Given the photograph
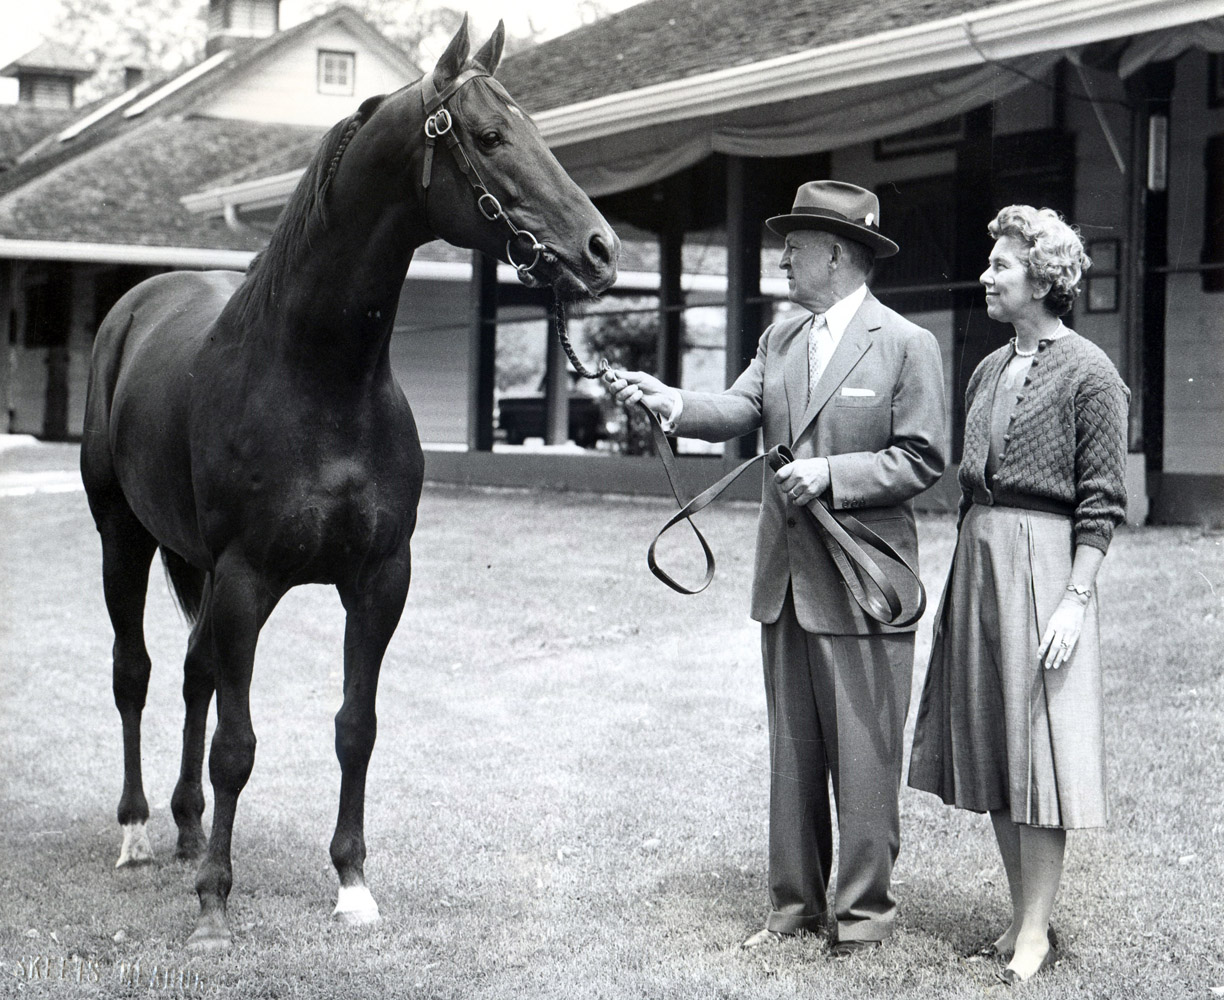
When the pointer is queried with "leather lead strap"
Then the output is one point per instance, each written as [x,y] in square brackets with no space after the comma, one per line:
[841,534]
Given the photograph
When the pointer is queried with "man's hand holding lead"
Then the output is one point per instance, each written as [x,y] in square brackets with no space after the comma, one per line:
[633,387]
[803,480]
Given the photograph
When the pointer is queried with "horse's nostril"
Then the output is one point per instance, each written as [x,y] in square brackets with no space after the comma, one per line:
[599,249]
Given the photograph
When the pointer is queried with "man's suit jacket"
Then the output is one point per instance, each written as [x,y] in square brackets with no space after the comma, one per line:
[877,414]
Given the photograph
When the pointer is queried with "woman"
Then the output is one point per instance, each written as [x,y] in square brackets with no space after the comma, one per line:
[1011,719]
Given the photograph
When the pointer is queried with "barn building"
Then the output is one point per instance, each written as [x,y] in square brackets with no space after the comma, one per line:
[691,123]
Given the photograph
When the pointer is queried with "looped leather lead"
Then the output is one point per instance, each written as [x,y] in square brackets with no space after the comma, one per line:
[844,537]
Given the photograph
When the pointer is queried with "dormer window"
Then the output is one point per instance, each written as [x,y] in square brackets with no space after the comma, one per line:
[336,72]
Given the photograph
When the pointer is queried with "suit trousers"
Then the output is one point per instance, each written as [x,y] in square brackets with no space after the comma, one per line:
[837,707]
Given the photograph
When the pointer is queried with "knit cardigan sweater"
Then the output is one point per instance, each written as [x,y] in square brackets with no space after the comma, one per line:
[1066,442]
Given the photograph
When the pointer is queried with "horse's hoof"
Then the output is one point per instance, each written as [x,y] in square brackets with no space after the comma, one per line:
[355,906]
[136,849]
[210,935]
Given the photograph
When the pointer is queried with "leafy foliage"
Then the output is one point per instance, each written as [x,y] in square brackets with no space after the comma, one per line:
[155,35]
[627,340]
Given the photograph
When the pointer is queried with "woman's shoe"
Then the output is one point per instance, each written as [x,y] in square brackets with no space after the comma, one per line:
[1011,977]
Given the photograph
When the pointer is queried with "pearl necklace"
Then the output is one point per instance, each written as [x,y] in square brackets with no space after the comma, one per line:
[1058,332]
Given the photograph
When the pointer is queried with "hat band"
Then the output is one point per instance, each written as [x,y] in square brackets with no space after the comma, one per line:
[827,213]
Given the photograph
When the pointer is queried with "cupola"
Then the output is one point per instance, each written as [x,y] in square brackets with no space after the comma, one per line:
[47,76]
[234,23]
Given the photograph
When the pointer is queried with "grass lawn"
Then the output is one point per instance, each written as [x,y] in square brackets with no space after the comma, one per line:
[568,795]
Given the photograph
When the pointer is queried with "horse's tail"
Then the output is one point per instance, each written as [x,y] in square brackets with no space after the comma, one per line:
[186,582]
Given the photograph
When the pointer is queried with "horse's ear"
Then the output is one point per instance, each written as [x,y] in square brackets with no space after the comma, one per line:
[451,63]
[491,52]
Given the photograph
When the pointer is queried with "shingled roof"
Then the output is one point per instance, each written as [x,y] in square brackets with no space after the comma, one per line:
[50,57]
[200,86]
[663,40]
[119,176]
[128,190]
[22,125]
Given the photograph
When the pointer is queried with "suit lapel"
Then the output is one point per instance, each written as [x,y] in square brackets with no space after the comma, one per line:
[795,367]
[852,346]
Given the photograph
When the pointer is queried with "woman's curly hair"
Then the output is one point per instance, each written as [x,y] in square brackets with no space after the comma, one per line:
[1055,253]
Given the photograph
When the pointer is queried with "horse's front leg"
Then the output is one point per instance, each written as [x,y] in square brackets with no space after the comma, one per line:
[373,611]
[239,604]
[187,803]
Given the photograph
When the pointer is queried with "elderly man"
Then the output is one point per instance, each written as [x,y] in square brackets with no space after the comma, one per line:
[857,393]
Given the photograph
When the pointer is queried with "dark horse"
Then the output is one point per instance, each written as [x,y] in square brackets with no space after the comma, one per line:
[249,426]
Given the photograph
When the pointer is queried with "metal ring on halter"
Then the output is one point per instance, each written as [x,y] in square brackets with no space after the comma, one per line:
[536,247]
[438,124]
[498,213]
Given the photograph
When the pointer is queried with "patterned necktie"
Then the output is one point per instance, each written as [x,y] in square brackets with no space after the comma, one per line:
[819,339]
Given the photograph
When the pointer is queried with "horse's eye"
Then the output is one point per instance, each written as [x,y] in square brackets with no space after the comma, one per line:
[490,138]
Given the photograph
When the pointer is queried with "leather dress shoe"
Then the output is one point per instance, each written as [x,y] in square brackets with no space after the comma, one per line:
[850,948]
[762,938]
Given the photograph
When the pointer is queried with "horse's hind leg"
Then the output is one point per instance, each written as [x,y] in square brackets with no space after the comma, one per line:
[372,615]
[187,803]
[127,551]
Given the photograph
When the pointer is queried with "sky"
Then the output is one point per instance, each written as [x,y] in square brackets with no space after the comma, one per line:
[25,22]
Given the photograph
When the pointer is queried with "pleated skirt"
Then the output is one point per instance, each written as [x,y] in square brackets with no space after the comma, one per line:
[995,729]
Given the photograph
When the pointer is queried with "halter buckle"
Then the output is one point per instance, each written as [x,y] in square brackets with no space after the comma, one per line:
[489,206]
[438,124]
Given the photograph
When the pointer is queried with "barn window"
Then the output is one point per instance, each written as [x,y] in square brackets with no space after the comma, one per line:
[336,72]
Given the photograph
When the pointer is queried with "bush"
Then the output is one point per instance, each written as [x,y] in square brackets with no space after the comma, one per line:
[628,340]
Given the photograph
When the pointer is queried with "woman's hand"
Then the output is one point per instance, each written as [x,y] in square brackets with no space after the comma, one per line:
[803,480]
[631,387]
[1062,632]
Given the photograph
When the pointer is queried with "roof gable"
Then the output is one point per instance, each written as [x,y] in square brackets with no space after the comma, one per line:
[281,85]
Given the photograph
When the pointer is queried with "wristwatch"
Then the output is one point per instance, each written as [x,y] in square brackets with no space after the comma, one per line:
[1078,591]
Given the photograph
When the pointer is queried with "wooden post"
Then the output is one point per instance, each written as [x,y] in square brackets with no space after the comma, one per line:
[974,209]
[556,385]
[1155,86]
[671,293]
[482,353]
[744,317]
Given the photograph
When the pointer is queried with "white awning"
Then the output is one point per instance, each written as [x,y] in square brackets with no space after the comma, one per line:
[793,128]
[1157,46]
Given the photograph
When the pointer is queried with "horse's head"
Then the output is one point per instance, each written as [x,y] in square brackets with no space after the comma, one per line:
[490,183]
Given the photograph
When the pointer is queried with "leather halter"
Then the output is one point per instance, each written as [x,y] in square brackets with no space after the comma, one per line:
[439,124]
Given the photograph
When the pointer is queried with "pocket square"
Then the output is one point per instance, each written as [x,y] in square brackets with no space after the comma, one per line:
[847,391]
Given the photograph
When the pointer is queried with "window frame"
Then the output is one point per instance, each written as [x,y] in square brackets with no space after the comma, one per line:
[345,89]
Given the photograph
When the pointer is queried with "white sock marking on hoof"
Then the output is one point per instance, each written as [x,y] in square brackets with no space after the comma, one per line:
[136,848]
[355,905]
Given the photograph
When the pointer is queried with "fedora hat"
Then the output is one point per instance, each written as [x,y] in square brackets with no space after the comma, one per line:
[837,207]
